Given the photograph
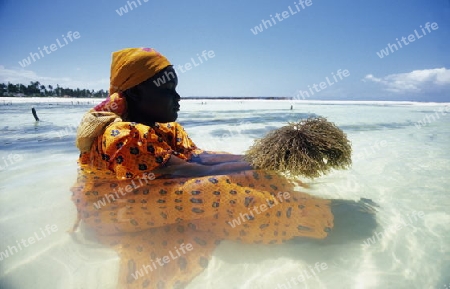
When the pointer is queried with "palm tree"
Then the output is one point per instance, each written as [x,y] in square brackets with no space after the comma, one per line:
[33,88]
[12,88]
[23,89]
[50,89]
[3,89]
[42,89]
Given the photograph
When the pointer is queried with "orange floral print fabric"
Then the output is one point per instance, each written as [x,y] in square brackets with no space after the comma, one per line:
[152,218]
[129,149]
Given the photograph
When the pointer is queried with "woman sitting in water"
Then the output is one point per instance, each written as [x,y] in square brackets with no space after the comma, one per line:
[194,197]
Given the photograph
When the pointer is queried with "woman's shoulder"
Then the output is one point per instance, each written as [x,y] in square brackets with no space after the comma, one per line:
[133,125]
[126,127]
[139,130]
[170,128]
[168,125]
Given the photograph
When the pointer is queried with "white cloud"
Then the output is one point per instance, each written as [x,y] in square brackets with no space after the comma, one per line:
[371,78]
[25,76]
[415,81]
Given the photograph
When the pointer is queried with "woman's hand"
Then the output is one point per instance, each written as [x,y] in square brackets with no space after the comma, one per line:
[180,168]
[208,158]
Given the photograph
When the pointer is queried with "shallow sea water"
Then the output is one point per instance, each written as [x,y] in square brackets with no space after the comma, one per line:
[401,168]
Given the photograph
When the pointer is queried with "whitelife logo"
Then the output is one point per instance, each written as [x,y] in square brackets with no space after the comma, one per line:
[168,76]
[322,85]
[49,49]
[164,260]
[280,198]
[281,16]
[380,235]
[112,197]
[10,160]
[411,38]
[132,5]
[29,241]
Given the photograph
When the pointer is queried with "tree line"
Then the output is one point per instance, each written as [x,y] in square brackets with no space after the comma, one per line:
[35,88]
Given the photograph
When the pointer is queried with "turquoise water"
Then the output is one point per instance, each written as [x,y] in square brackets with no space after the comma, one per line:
[400,165]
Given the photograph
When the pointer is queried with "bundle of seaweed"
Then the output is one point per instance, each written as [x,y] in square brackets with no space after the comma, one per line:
[310,148]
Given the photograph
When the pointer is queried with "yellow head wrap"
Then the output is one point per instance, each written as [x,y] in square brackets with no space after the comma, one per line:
[129,67]
[132,66]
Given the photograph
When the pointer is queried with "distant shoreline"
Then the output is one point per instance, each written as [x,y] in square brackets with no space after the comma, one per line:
[85,101]
[187,97]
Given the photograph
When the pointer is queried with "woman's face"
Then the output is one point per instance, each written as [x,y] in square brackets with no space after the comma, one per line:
[156,99]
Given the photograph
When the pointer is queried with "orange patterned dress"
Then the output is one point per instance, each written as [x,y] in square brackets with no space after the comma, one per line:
[165,229]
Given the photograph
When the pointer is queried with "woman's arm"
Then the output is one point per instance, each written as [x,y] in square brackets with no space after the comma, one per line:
[208,158]
[180,168]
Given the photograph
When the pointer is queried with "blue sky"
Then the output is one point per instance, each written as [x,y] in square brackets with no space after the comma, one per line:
[296,54]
